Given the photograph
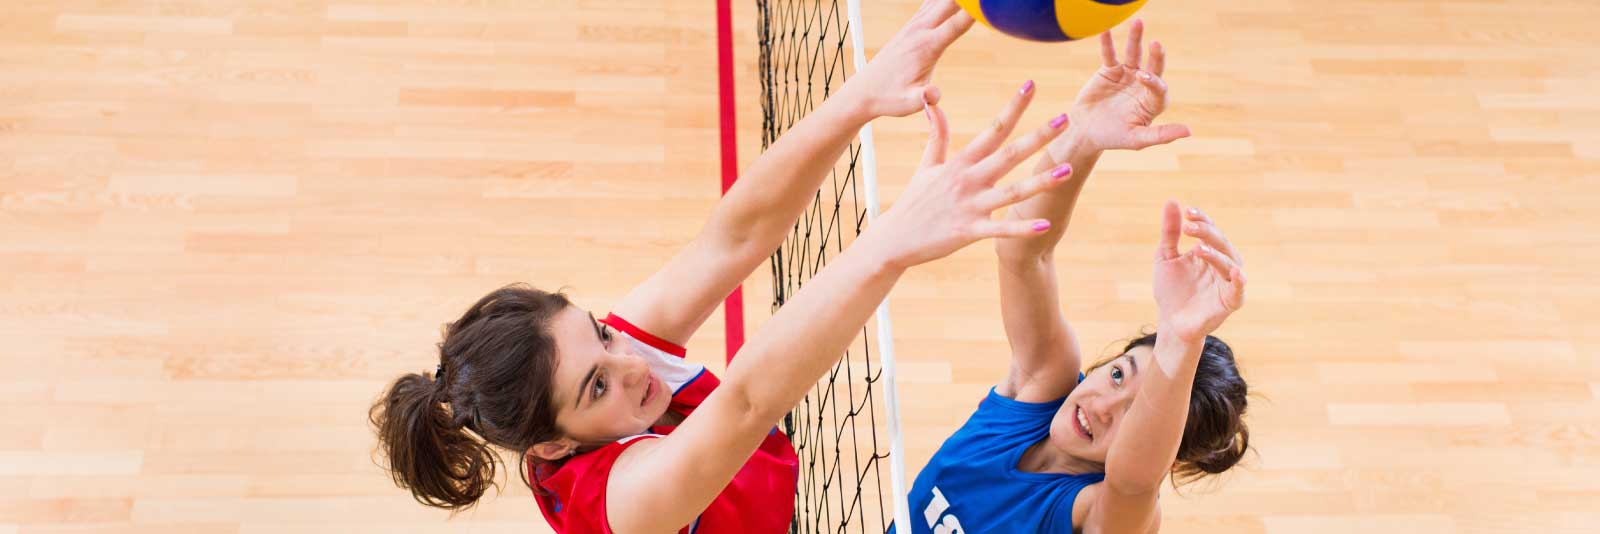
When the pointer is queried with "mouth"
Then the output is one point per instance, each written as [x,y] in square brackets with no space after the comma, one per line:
[649,391]
[1080,423]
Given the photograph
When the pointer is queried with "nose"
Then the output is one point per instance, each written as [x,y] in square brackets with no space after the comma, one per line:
[1100,410]
[638,371]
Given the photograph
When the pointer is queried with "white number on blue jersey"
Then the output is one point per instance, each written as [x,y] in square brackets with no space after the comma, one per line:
[950,525]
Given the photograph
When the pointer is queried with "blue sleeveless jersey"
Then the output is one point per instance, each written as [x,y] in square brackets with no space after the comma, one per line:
[972,484]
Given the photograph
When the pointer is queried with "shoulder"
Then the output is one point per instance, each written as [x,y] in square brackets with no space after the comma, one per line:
[630,462]
[629,476]
[580,488]
[1039,386]
[998,408]
[998,426]
[1084,507]
[599,468]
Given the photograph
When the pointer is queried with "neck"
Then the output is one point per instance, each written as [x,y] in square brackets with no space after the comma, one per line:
[670,418]
[1043,457]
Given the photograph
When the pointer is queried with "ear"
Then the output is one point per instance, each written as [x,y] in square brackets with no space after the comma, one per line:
[553,450]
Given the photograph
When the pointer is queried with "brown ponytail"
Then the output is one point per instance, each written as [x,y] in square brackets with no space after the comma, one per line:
[428,452]
[497,364]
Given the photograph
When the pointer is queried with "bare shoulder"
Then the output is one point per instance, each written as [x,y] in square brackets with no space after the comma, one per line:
[1083,507]
[633,458]
[628,484]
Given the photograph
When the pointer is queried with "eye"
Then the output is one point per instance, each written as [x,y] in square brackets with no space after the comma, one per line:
[1116,376]
[599,387]
[605,335]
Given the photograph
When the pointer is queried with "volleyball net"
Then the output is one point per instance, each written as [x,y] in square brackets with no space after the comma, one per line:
[843,429]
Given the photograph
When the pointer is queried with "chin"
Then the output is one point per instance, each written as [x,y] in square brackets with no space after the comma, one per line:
[654,412]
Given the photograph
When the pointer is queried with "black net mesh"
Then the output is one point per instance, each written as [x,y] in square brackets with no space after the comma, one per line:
[844,483]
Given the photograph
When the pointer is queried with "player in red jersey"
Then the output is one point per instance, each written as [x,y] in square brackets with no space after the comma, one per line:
[618,432]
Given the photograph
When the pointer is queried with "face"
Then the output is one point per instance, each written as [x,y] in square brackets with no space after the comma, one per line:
[1093,413]
[604,390]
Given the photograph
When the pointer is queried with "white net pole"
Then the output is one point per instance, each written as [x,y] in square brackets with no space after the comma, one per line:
[891,396]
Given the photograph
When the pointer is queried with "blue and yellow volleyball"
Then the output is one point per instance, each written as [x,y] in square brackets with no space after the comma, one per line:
[1051,20]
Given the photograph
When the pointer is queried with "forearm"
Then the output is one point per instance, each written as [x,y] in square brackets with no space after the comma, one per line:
[767,378]
[1056,204]
[759,209]
[810,332]
[1044,349]
[1147,444]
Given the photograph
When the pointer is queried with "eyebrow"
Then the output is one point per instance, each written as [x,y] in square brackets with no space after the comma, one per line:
[584,386]
[1132,364]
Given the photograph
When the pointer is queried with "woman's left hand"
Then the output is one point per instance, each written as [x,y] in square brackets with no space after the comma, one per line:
[897,82]
[1195,290]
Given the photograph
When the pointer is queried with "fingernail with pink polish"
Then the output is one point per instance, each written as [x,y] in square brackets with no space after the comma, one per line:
[1041,226]
[1058,121]
[1061,170]
[1026,88]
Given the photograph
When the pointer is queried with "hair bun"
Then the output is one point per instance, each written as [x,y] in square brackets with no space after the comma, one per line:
[1229,454]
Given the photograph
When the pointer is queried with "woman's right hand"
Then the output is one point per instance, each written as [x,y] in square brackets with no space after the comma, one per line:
[949,203]
[1198,289]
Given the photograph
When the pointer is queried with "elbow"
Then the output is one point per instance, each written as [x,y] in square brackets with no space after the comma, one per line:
[726,234]
[751,241]
[750,409]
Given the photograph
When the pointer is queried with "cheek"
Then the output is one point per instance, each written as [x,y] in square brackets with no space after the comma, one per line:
[629,415]
[1061,429]
[608,422]
[621,413]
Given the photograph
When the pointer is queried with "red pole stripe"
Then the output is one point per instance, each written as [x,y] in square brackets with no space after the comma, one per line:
[733,307]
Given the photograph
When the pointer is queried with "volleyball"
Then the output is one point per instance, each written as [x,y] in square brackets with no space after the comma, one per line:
[1051,20]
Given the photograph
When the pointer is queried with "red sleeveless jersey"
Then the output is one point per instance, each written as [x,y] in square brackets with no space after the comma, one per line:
[759,499]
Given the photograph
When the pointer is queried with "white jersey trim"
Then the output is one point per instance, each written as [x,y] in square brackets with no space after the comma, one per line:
[675,371]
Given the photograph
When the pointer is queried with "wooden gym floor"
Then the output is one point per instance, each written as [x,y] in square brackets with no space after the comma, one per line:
[225,225]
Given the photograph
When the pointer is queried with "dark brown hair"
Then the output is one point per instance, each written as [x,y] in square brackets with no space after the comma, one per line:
[1215,436]
[497,365]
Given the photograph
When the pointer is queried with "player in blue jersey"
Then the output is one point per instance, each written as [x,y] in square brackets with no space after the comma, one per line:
[1053,450]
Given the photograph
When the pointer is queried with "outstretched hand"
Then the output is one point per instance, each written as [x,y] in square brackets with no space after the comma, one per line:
[1116,109]
[1198,289]
[949,202]
[898,80]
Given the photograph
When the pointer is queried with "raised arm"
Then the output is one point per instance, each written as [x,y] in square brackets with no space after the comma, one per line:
[1114,111]
[752,220]
[946,206]
[1196,291]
